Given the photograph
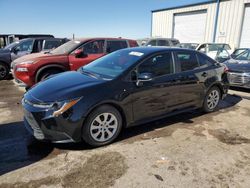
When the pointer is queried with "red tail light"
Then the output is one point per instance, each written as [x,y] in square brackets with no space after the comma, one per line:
[226,69]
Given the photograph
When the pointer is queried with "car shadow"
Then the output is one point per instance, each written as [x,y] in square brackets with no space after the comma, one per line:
[19,149]
[186,118]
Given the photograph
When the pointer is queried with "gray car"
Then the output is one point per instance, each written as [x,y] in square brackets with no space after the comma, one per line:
[239,70]
[24,47]
[159,42]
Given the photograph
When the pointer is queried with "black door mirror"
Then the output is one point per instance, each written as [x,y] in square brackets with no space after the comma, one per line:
[233,56]
[144,77]
[14,50]
[79,53]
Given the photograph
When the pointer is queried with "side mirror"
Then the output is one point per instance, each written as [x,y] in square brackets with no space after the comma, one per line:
[14,50]
[144,77]
[233,56]
[79,53]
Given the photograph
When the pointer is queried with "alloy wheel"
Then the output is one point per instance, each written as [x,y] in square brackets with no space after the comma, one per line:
[213,99]
[104,127]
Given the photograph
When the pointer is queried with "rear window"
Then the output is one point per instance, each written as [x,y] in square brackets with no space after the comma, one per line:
[187,61]
[116,45]
[163,43]
[132,43]
[50,44]
[175,42]
[152,43]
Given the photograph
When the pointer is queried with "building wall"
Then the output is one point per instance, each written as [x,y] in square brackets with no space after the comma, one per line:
[229,26]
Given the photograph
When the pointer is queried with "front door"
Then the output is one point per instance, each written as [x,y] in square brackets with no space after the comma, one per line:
[156,97]
[93,51]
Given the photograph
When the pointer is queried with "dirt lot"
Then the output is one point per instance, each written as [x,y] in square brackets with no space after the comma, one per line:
[188,150]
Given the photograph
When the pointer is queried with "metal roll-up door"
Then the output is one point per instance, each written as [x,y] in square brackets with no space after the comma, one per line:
[245,34]
[190,27]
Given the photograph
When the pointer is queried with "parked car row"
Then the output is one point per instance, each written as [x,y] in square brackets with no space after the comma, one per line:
[23,47]
[238,61]
[113,84]
[30,70]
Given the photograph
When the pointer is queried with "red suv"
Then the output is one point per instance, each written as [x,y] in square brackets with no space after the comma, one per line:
[69,56]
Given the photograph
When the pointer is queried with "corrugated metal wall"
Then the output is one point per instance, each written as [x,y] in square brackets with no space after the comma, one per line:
[229,21]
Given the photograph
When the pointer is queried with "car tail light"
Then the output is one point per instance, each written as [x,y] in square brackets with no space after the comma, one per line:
[226,69]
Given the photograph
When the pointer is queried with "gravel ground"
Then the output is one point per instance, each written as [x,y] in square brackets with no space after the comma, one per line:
[188,150]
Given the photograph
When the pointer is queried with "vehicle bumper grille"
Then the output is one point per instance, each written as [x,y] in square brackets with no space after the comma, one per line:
[239,79]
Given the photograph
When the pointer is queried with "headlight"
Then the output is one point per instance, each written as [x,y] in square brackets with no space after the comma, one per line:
[65,106]
[26,62]
[22,69]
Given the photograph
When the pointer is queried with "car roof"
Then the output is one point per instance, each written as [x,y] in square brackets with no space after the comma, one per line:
[100,38]
[155,49]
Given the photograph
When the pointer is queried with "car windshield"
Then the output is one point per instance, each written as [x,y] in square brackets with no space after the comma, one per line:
[112,65]
[10,46]
[66,48]
[218,47]
[243,56]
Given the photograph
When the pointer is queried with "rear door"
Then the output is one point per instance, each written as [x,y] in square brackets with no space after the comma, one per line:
[113,45]
[188,72]
[93,50]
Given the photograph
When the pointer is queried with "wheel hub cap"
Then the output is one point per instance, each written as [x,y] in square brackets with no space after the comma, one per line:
[213,99]
[103,127]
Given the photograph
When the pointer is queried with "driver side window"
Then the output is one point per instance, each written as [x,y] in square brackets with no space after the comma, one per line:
[25,46]
[158,65]
[94,47]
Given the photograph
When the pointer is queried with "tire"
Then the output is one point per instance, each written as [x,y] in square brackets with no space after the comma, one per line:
[4,71]
[102,126]
[212,100]
[48,73]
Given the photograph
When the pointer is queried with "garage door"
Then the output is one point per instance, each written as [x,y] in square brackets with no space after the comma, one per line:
[190,27]
[245,35]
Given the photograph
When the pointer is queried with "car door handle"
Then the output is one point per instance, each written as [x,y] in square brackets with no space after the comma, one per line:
[204,74]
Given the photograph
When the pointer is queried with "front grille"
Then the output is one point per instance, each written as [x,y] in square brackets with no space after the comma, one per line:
[34,125]
[238,78]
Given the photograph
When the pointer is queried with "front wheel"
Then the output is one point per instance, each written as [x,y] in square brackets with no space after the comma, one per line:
[212,99]
[48,73]
[102,126]
[4,71]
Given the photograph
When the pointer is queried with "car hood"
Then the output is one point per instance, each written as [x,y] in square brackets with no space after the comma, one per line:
[64,86]
[4,51]
[238,65]
[29,56]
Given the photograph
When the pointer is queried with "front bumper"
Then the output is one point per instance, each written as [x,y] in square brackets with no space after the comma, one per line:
[44,126]
[23,79]
[239,79]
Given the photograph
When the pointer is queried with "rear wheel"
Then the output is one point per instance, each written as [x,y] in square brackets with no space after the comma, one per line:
[4,71]
[212,99]
[102,126]
[48,73]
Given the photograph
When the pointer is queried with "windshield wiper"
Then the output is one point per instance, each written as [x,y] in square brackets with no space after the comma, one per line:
[90,73]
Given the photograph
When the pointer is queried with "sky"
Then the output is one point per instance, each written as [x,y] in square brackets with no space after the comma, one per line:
[84,18]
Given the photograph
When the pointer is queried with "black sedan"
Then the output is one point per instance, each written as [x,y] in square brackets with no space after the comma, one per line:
[125,88]
[239,70]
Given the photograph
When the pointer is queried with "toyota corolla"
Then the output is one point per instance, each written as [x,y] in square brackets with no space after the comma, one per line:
[125,88]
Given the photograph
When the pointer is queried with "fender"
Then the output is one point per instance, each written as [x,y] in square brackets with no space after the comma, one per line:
[5,58]
[127,118]
[55,65]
